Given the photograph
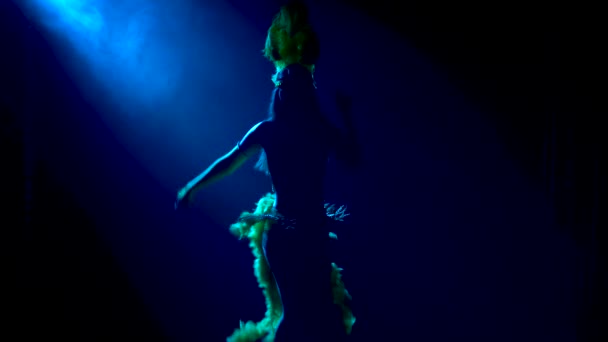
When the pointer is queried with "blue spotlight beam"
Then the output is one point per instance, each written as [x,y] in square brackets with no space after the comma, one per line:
[123,43]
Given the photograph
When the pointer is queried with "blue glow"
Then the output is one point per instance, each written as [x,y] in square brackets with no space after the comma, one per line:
[118,43]
[78,13]
[177,81]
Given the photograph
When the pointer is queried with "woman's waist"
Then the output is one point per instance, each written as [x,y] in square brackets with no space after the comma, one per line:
[300,211]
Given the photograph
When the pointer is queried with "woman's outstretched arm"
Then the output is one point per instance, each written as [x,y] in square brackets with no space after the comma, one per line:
[222,167]
[219,169]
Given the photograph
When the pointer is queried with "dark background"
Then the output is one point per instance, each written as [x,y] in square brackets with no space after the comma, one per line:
[534,72]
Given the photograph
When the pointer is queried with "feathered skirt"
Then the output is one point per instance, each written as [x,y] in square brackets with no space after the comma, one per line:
[303,289]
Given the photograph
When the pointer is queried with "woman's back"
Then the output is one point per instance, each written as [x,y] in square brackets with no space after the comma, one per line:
[299,258]
[297,158]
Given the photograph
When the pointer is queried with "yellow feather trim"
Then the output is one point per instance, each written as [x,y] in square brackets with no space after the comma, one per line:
[266,328]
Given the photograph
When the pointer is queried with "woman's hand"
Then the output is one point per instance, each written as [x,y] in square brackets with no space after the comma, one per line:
[184,198]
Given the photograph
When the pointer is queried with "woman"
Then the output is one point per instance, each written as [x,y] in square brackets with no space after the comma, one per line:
[295,143]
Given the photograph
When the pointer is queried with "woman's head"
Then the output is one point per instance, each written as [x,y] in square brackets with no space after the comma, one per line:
[292,17]
[291,40]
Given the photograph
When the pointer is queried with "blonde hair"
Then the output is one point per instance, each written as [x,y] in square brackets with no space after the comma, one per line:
[291,39]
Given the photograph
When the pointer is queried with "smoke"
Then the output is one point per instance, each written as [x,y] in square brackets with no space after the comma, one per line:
[123,43]
[177,81]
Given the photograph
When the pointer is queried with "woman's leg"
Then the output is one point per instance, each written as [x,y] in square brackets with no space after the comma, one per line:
[302,268]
